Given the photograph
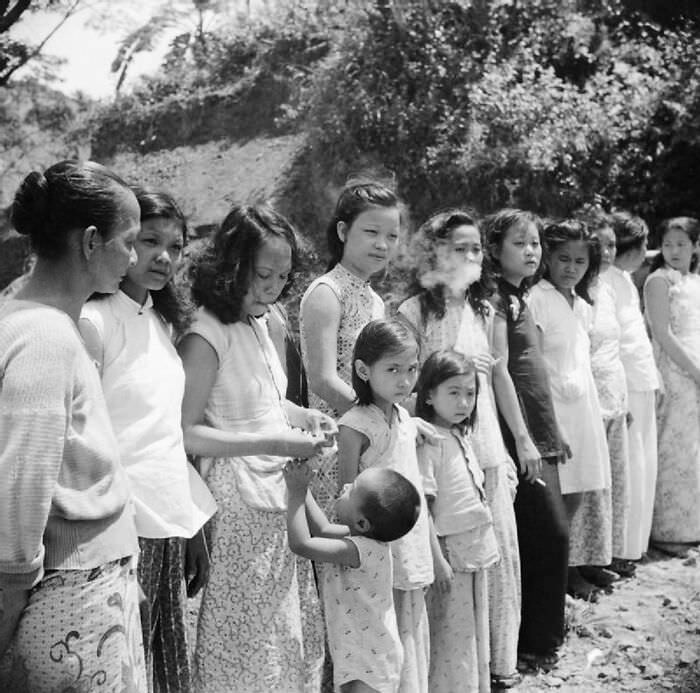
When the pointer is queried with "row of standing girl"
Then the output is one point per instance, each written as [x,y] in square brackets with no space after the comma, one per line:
[260,625]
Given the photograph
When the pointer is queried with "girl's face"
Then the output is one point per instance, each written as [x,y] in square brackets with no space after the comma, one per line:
[158,247]
[678,249]
[115,254]
[392,377]
[608,247]
[453,400]
[459,258]
[520,253]
[273,265]
[568,264]
[370,240]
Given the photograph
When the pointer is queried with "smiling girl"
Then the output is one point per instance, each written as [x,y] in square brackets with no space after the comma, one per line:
[672,301]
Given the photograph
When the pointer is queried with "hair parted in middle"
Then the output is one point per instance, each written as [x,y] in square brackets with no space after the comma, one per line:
[442,365]
[556,234]
[690,226]
[222,271]
[380,338]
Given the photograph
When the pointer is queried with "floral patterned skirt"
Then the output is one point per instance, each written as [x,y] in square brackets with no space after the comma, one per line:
[251,634]
[80,631]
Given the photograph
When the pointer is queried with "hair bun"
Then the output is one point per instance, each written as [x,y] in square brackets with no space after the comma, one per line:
[30,206]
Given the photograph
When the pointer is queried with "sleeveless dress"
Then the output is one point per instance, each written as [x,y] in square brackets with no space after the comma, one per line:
[676,508]
[253,634]
[543,526]
[463,330]
[359,304]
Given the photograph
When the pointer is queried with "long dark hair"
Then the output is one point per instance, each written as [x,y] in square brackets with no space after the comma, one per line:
[171,302]
[221,272]
[687,225]
[378,339]
[433,299]
[560,232]
[442,365]
[630,231]
[357,196]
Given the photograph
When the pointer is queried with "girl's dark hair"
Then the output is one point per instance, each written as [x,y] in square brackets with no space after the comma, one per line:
[68,195]
[438,367]
[495,228]
[378,339]
[687,225]
[595,218]
[630,231]
[560,232]
[433,299]
[356,196]
[171,302]
[221,272]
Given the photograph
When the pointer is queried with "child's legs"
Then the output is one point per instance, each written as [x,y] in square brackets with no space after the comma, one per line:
[412,620]
[459,635]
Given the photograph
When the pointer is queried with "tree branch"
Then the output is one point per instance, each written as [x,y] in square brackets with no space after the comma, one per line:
[5,77]
[7,20]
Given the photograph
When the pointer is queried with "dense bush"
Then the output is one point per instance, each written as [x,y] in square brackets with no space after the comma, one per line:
[547,104]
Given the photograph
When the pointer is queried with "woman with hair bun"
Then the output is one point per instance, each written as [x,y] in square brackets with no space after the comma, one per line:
[68,545]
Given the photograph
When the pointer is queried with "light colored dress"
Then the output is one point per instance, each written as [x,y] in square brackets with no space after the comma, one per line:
[640,369]
[459,631]
[363,635]
[392,444]
[676,508]
[463,330]
[611,383]
[359,304]
[249,634]
[566,351]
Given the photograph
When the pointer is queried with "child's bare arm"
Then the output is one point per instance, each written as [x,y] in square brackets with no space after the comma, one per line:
[351,445]
[340,551]
[319,524]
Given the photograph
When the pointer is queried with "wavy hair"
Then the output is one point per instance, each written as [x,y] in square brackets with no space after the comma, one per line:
[221,272]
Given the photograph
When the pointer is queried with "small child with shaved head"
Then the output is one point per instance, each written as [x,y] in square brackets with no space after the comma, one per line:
[380,506]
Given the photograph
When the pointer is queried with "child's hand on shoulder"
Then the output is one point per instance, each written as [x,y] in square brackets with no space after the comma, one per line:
[426,432]
[297,476]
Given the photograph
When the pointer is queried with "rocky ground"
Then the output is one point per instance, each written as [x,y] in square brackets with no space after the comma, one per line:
[643,636]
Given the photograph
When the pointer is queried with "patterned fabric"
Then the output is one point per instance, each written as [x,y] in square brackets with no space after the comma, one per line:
[250,631]
[164,620]
[459,635]
[392,445]
[359,304]
[504,577]
[79,632]
[412,620]
[590,528]
[616,431]
[643,464]
[676,508]
[359,610]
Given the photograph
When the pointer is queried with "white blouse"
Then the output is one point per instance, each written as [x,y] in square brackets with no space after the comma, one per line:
[143,382]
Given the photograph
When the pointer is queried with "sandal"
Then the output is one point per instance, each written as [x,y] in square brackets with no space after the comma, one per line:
[502,682]
[623,567]
[545,661]
[597,575]
[676,550]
